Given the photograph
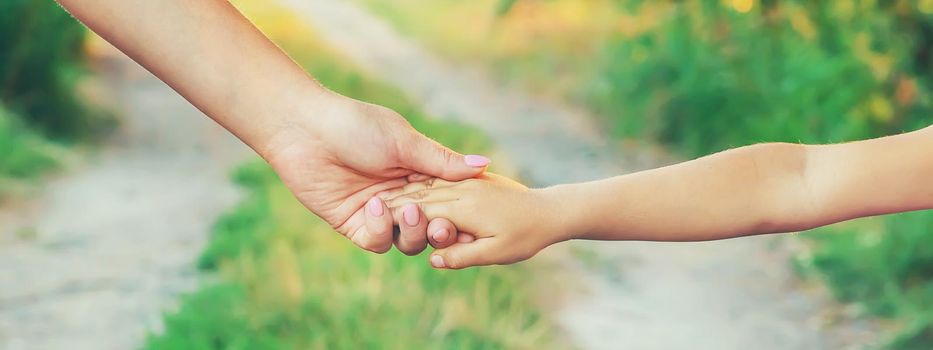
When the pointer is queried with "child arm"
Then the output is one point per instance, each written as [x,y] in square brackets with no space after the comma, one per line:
[757,189]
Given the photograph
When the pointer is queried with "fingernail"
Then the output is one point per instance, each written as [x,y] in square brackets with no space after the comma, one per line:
[410,214]
[475,161]
[374,206]
[437,261]
[440,236]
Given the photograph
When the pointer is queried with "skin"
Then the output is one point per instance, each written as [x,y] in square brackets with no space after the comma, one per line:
[759,189]
[334,153]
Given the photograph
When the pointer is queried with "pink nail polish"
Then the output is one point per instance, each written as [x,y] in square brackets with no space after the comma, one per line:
[440,236]
[475,161]
[374,206]
[437,261]
[410,214]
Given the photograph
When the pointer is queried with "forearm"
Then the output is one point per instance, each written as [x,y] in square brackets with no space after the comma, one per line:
[213,56]
[758,189]
[872,177]
[749,190]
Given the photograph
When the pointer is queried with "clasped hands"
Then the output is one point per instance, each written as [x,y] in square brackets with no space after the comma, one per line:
[348,162]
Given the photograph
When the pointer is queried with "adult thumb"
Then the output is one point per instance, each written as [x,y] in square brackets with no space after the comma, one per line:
[462,255]
[428,157]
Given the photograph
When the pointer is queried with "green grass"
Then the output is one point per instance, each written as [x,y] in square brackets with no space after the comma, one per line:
[884,264]
[41,64]
[287,281]
[24,154]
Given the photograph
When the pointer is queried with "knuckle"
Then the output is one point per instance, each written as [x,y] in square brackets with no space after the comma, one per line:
[420,194]
[434,215]
[453,261]
[443,211]
[414,186]
[446,153]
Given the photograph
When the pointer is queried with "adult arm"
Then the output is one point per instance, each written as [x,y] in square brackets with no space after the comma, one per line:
[214,57]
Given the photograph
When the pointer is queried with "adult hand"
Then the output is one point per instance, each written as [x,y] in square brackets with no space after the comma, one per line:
[339,155]
[334,153]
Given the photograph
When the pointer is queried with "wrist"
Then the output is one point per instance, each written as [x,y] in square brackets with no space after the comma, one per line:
[562,206]
[298,116]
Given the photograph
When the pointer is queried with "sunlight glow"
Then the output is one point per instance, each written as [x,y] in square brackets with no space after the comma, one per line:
[743,6]
[926,6]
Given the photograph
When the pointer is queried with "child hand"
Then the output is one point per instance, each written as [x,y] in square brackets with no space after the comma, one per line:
[511,223]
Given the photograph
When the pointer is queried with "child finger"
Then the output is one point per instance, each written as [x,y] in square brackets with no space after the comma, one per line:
[363,196]
[425,196]
[414,188]
[462,255]
[464,237]
[432,209]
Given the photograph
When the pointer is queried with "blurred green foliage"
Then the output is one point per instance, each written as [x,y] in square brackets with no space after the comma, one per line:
[287,281]
[885,264]
[702,75]
[41,64]
[23,153]
[504,7]
[708,76]
[41,61]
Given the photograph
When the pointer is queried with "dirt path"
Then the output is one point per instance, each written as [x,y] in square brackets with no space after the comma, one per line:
[112,244]
[738,294]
